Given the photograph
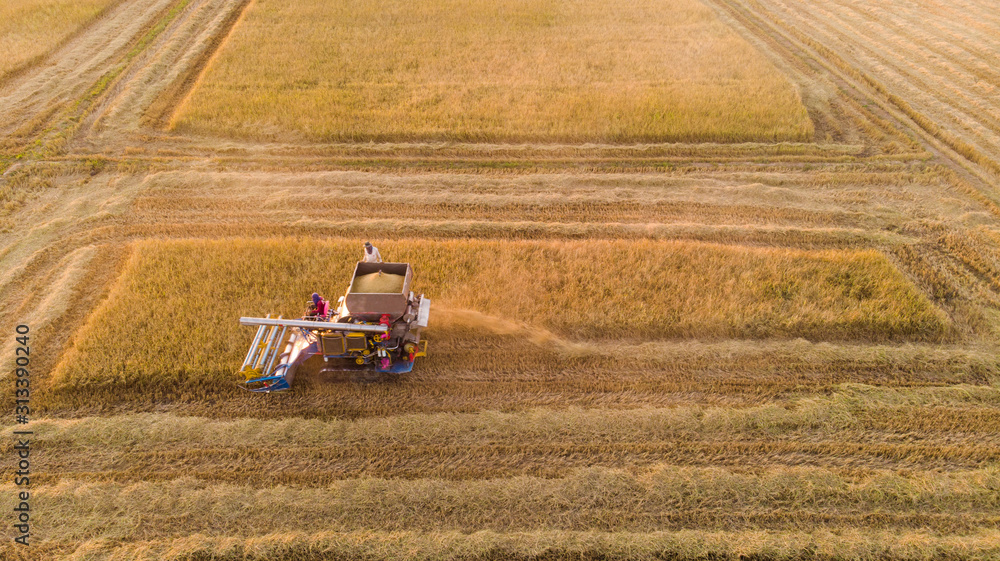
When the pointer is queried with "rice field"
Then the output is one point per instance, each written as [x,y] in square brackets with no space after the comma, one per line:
[501,70]
[659,499]
[31,28]
[813,473]
[711,280]
[176,302]
[806,394]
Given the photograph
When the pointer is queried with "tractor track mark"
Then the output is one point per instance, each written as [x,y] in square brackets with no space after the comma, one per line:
[441,388]
[943,89]
[755,24]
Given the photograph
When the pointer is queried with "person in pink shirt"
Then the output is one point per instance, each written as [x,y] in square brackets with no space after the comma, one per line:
[320,308]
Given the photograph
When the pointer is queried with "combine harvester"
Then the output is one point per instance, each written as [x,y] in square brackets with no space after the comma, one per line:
[376,327]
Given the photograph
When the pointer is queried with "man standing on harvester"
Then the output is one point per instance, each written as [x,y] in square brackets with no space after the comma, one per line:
[371,254]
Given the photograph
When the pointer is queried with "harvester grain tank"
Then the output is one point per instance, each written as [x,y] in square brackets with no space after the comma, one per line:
[375,327]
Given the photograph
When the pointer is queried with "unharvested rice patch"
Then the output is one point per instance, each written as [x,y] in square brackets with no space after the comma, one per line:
[498,70]
[172,316]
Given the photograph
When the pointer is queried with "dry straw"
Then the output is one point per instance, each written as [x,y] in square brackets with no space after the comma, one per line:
[853,407]
[664,497]
[684,545]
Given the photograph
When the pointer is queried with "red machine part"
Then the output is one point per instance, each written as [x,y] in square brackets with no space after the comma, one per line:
[385,320]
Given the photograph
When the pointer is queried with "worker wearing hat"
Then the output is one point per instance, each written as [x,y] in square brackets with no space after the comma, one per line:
[371,254]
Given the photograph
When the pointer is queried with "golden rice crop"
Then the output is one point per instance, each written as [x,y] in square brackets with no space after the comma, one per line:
[499,70]
[173,313]
[30,28]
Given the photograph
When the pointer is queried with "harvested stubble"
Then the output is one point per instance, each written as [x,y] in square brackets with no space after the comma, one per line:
[858,427]
[850,407]
[525,368]
[665,497]
[501,70]
[31,28]
[684,545]
[172,315]
[937,63]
